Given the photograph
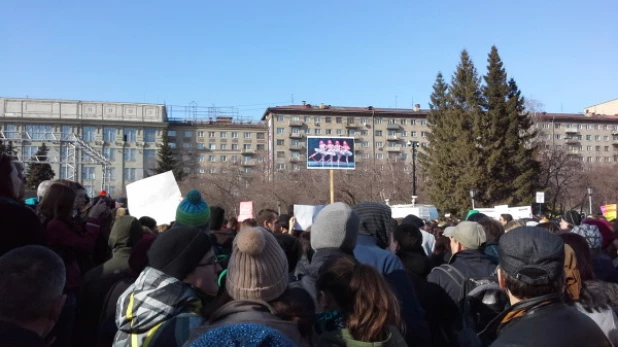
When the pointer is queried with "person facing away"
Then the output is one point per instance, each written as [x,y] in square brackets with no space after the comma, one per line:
[126,232]
[532,273]
[31,287]
[505,218]
[467,260]
[165,302]
[374,236]
[570,220]
[20,225]
[368,308]
[429,240]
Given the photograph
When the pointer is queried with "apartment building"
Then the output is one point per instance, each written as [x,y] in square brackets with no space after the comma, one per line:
[381,135]
[609,108]
[218,145]
[587,137]
[83,135]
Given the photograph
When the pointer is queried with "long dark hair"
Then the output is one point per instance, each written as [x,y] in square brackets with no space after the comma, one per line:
[363,297]
[57,203]
[6,183]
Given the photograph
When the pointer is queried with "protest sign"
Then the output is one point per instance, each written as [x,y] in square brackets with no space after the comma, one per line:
[246,210]
[157,196]
[305,214]
[609,211]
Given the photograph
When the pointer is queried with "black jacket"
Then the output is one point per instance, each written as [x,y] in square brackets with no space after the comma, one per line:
[471,263]
[546,321]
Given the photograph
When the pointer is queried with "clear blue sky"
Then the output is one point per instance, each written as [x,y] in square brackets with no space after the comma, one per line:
[341,52]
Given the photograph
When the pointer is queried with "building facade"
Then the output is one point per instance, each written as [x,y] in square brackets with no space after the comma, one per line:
[84,135]
[609,108]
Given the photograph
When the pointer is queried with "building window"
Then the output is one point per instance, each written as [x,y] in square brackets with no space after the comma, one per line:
[423,122]
[223,134]
[279,118]
[30,151]
[328,120]
[130,154]
[364,121]
[597,148]
[150,135]
[424,144]
[246,146]
[234,147]
[247,135]
[172,144]
[597,138]
[234,134]
[280,154]
[365,144]
[379,144]
[295,130]
[588,137]
[316,120]
[212,146]
[280,130]
[412,121]
[40,132]
[607,159]
[404,133]
[109,153]
[366,155]
[329,132]
[88,133]
[223,146]
[109,134]
[413,133]
[260,136]
[200,134]
[130,174]
[378,121]
[171,133]
[557,136]
[130,135]
[202,158]
[212,134]
[339,120]
[307,131]
[364,132]
[379,155]
[392,133]
[212,158]
[378,132]
[423,134]
[112,174]
[260,147]
[280,142]
[280,166]
[223,158]
[150,158]
[339,131]
[295,143]
[403,121]
[200,146]
[317,131]
[307,119]
[588,148]
[189,134]
[606,138]
[212,170]
[606,148]
[187,145]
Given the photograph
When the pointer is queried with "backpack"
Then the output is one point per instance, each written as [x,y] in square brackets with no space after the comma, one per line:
[480,301]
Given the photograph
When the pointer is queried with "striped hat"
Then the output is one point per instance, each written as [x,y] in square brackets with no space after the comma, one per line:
[193,211]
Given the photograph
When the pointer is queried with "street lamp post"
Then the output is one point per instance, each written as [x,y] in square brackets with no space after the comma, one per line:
[590,199]
[414,145]
[472,193]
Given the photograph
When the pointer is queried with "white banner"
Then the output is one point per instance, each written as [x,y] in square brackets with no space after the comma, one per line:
[305,214]
[156,196]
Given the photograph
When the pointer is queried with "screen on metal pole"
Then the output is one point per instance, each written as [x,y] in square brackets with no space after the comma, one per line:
[324,152]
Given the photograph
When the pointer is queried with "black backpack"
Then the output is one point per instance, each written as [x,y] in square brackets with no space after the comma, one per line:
[480,301]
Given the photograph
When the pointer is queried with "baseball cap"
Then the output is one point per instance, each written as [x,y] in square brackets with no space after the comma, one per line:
[532,255]
[470,234]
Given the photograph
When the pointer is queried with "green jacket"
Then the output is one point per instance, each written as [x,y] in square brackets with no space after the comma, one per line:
[342,338]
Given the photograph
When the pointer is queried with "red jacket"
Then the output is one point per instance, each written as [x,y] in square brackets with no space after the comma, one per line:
[72,246]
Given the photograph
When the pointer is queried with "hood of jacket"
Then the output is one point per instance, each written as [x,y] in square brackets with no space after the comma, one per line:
[125,233]
[152,300]
[375,220]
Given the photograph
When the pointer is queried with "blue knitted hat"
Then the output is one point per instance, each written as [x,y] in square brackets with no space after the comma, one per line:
[193,211]
[243,334]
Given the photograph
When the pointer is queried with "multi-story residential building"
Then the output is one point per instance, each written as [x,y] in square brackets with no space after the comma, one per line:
[80,133]
[380,135]
[214,146]
[585,137]
[609,108]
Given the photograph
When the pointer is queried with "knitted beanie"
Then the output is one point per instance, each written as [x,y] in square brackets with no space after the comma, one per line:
[178,251]
[258,268]
[193,211]
[375,220]
[335,226]
[243,334]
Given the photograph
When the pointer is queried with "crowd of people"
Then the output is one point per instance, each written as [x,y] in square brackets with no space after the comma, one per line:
[81,271]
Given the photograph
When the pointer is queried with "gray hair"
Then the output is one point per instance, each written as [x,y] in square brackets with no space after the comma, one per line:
[32,279]
[40,192]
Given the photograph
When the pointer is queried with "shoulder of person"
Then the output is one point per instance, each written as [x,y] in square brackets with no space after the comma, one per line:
[331,339]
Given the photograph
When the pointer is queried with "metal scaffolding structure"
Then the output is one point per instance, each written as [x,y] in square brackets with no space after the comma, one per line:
[68,145]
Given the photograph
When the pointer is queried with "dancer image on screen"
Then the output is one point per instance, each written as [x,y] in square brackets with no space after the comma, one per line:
[346,151]
[337,151]
[329,151]
[321,150]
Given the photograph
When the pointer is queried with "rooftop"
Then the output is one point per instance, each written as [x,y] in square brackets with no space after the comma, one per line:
[345,110]
[81,101]
[575,117]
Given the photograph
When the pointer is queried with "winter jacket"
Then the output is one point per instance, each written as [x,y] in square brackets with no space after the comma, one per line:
[387,263]
[491,250]
[343,338]
[544,321]
[603,268]
[415,261]
[606,320]
[429,241]
[471,263]
[74,247]
[98,281]
[157,311]
[250,311]
[20,226]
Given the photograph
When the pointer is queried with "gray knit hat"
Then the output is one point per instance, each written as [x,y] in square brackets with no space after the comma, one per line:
[258,268]
[335,226]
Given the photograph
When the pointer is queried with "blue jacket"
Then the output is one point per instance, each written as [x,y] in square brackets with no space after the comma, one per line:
[389,265]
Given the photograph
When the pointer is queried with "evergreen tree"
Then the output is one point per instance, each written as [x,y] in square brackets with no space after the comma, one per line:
[509,164]
[167,160]
[39,171]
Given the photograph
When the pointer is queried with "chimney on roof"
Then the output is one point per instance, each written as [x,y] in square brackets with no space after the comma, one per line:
[370,108]
[417,107]
[322,106]
[304,103]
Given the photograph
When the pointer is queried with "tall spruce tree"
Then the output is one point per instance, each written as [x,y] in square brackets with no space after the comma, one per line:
[167,160]
[39,171]
[509,165]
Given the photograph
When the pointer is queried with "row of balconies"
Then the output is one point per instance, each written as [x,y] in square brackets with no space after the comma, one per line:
[349,125]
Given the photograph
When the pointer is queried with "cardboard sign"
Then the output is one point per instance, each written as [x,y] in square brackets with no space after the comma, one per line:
[610,212]
[156,196]
[540,197]
[305,214]
[246,210]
